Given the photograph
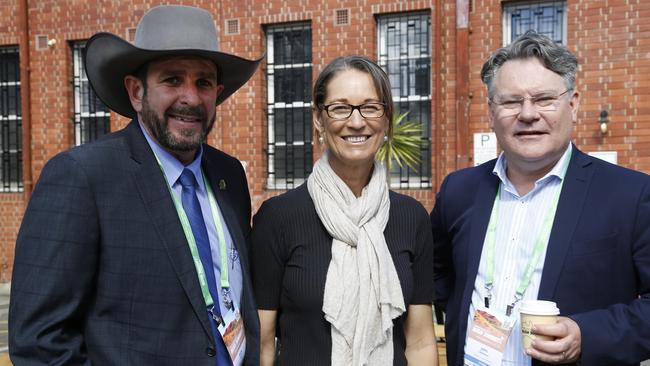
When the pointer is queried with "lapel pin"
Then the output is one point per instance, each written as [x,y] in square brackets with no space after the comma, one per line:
[222,185]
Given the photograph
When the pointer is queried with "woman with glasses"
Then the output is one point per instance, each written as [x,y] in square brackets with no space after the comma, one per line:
[343,267]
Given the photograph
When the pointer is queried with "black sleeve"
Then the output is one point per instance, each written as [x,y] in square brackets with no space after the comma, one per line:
[442,251]
[54,269]
[423,286]
[267,257]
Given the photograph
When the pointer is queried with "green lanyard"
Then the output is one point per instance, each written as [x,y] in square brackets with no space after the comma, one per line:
[540,245]
[187,229]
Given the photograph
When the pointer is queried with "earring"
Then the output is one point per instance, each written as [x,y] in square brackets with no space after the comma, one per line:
[385,138]
[321,140]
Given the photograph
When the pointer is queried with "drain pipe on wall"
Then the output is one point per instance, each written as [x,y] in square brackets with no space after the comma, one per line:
[437,62]
[26,106]
[462,84]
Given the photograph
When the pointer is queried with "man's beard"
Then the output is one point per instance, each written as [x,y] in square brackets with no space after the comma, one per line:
[159,127]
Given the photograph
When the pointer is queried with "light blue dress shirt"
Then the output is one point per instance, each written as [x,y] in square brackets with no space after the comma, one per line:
[519,223]
[173,168]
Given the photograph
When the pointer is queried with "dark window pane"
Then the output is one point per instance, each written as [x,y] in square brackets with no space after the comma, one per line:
[92,128]
[421,76]
[292,45]
[293,162]
[293,85]
[9,65]
[419,111]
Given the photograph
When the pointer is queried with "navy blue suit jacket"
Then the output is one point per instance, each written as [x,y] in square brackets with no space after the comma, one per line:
[597,264]
[103,273]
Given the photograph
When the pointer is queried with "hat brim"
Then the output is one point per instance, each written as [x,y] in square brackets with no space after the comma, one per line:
[109,58]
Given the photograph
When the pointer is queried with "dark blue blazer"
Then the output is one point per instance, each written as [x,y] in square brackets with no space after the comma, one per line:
[597,264]
[103,274]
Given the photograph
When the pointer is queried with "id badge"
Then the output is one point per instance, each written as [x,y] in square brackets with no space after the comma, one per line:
[233,335]
[487,338]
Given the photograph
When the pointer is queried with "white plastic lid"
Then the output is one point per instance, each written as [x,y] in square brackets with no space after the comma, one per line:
[539,307]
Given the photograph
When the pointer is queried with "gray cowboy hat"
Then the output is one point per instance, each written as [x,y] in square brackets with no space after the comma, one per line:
[168,30]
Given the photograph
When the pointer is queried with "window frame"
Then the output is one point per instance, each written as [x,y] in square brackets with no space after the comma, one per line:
[509,7]
[11,183]
[404,177]
[83,120]
[274,181]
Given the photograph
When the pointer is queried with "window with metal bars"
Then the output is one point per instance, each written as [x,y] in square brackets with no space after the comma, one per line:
[289,121]
[11,177]
[546,17]
[91,116]
[404,51]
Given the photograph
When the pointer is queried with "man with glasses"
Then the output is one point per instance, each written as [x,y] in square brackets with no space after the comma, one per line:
[544,221]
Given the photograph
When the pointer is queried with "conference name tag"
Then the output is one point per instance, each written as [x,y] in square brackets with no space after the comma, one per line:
[233,335]
[487,338]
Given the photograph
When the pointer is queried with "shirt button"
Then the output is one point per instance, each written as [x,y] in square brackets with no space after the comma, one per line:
[211,351]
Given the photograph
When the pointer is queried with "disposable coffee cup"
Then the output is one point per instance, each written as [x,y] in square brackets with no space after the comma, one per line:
[536,312]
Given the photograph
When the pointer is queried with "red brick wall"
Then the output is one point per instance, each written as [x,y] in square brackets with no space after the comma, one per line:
[11,212]
[610,38]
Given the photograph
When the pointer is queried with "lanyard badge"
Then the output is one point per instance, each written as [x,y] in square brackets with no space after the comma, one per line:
[538,249]
[487,338]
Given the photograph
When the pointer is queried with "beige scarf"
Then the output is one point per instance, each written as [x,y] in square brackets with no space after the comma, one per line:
[362,291]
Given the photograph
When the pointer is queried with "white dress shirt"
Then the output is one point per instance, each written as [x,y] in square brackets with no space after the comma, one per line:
[519,223]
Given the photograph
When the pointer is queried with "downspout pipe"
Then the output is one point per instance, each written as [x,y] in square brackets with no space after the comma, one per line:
[438,95]
[462,84]
[25,92]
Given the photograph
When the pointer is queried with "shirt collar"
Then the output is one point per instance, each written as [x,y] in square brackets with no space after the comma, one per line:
[557,171]
[171,166]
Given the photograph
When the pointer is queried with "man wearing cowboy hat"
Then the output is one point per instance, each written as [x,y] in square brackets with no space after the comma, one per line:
[132,250]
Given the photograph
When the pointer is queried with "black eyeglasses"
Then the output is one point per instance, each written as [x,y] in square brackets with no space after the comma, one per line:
[340,111]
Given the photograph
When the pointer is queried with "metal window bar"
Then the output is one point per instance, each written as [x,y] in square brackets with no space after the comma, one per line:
[11,177]
[546,17]
[288,73]
[91,117]
[405,54]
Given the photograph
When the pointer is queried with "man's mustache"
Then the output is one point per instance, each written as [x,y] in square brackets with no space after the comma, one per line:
[196,112]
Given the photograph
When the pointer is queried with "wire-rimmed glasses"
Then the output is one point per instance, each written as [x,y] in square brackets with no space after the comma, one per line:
[544,102]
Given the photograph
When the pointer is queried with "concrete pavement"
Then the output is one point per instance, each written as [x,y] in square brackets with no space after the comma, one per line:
[4,332]
[4,311]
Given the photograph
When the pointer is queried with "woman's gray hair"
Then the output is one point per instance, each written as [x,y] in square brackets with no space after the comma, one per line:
[363,64]
[553,56]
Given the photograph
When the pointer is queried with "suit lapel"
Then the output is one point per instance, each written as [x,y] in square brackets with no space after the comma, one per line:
[154,192]
[217,175]
[480,217]
[574,192]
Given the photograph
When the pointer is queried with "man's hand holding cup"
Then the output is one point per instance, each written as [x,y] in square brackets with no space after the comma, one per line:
[546,336]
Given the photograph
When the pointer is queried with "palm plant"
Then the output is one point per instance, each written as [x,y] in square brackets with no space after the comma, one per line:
[403,147]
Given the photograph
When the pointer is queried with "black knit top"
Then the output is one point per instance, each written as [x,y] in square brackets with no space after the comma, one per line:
[291,252]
